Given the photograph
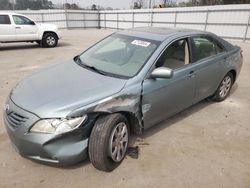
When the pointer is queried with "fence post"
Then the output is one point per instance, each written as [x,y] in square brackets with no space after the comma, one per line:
[175,18]
[105,20]
[205,28]
[99,19]
[42,14]
[117,20]
[66,17]
[84,19]
[247,26]
[133,19]
[151,18]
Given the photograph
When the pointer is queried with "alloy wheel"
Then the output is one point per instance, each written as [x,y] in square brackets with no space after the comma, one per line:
[50,40]
[118,142]
[225,86]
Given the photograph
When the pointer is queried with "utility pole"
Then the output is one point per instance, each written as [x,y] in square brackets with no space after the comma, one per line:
[66,2]
[66,14]
[13,4]
[165,3]
[149,4]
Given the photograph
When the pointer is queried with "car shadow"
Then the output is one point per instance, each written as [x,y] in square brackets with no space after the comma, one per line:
[139,139]
[233,89]
[69,167]
[25,46]
[176,118]
[62,44]
[17,46]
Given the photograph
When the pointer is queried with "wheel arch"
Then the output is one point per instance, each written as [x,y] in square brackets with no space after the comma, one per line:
[234,74]
[134,122]
[232,71]
[45,32]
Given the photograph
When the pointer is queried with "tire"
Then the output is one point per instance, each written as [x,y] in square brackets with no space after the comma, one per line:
[224,88]
[101,153]
[49,40]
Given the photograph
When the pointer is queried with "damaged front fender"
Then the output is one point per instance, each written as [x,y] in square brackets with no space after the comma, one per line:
[127,104]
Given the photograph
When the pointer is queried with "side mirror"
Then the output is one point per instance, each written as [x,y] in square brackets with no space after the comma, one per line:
[32,23]
[162,72]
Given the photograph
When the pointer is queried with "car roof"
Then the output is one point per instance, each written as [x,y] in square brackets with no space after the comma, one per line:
[159,33]
[9,13]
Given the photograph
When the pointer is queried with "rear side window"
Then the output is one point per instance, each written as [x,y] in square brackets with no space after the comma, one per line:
[4,19]
[205,47]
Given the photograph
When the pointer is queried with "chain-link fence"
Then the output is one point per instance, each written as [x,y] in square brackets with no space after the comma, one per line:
[231,21]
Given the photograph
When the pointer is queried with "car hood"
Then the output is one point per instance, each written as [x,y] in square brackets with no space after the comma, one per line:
[48,26]
[57,90]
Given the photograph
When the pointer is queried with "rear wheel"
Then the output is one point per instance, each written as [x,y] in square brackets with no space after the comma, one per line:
[49,40]
[224,88]
[108,142]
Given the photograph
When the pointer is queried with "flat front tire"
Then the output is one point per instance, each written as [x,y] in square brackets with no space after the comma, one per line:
[108,142]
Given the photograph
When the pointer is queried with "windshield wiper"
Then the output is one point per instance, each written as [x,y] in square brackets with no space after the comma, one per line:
[78,60]
[94,69]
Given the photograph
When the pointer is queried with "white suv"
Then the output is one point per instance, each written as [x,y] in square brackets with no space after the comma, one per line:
[19,28]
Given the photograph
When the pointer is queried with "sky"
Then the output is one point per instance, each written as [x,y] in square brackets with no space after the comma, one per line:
[121,4]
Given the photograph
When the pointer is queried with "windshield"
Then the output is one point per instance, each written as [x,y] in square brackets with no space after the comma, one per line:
[119,55]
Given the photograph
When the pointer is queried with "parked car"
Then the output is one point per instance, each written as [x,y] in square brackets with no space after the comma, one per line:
[19,28]
[127,82]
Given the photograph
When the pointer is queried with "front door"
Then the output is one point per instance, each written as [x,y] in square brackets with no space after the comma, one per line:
[25,29]
[162,98]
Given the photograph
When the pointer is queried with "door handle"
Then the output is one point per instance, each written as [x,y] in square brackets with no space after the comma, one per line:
[18,27]
[191,74]
[225,59]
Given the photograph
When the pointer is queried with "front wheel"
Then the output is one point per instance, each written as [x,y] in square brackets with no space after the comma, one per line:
[224,88]
[109,142]
[49,40]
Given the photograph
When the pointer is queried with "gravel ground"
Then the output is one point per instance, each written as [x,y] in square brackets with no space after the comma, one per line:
[207,145]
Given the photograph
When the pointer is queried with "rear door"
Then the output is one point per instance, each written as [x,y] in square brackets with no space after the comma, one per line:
[25,29]
[209,60]
[7,30]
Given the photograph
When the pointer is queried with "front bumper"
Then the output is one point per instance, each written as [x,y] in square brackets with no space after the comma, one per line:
[59,34]
[66,149]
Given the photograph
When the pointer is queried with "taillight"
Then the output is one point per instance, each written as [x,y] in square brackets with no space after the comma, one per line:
[241,54]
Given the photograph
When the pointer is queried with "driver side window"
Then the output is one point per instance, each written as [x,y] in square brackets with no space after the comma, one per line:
[21,20]
[175,56]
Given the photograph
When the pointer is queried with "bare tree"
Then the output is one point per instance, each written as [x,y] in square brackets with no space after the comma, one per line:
[5,5]
[138,4]
[109,8]
[94,7]
[74,6]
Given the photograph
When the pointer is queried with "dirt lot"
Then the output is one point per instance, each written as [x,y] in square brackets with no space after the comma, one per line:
[207,145]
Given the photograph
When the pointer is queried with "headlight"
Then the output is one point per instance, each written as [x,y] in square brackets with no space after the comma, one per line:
[57,126]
